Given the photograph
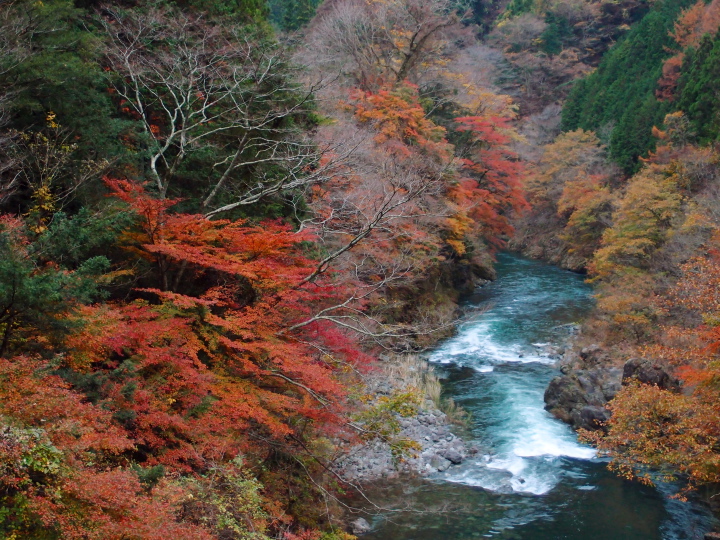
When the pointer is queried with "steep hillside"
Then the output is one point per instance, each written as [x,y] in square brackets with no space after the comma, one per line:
[618,99]
[210,232]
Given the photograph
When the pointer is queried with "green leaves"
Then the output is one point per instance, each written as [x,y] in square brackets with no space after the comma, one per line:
[381,420]
[619,97]
[70,240]
[62,73]
[35,289]
[698,89]
[292,15]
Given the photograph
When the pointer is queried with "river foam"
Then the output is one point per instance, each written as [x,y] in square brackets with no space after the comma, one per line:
[474,347]
[526,444]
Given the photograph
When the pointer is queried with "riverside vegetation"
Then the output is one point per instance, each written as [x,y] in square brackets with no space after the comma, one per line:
[216,216]
[629,191]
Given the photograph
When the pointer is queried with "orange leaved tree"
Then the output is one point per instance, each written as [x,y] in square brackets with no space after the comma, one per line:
[655,431]
[219,361]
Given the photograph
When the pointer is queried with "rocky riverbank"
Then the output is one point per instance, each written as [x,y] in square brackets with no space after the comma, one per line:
[430,430]
[591,378]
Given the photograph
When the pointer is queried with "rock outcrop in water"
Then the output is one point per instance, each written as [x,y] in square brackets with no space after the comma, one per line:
[591,379]
[578,397]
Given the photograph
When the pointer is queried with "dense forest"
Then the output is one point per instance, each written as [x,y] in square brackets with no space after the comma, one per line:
[205,241]
[219,218]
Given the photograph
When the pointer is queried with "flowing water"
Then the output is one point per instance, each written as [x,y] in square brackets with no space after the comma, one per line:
[531,479]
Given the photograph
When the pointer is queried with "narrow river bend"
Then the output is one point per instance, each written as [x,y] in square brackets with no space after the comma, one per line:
[531,478]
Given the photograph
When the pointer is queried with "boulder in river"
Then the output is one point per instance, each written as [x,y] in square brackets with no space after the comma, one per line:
[593,416]
[453,456]
[439,463]
[578,396]
[579,400]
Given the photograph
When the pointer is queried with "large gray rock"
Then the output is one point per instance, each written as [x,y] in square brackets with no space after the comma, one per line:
[563,396]
[453,456]
[440,463]
[589,381]
[571,399]
[649,372]
[592,417]
[591,353]
[578,396]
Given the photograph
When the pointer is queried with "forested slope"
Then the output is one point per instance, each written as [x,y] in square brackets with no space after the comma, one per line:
[618,99]
[215,216]
[207,237]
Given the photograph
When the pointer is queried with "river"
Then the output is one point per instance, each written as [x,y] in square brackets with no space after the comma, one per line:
[532,479]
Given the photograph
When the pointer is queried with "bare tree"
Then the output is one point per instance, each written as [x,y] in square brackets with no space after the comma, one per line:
[385,42]
[203,91]
[378,224]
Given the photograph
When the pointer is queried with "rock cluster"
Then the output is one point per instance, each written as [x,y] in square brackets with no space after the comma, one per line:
[591,379]
[441,449]
[649,372]
[579,396]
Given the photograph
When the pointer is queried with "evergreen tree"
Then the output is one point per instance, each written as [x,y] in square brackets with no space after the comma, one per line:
[557,31]
[620,94]
[699,89]
[291,15]
[64,75]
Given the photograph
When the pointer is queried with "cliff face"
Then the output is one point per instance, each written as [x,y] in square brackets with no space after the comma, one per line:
[431,303]
[578,396]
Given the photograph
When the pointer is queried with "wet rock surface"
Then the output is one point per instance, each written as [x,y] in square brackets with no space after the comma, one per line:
[590,379]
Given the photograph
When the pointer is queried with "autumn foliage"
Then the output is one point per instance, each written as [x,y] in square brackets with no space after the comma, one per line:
[656,431]
[200,255]
[479,177]
[234,347]
[182,379]
[488,189]
[695,22]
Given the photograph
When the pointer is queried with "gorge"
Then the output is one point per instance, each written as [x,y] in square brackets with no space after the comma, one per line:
[530,478]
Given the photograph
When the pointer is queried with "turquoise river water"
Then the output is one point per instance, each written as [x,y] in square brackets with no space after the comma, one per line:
[532,479]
